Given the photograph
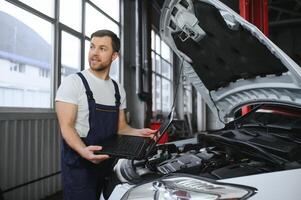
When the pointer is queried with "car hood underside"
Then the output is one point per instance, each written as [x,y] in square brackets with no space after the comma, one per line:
[228,60]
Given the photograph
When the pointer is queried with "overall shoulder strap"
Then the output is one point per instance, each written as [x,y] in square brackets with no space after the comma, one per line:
[91,101]
[85,82]
[117,93]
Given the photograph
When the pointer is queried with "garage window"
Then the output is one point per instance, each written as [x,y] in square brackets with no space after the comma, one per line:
[161,75]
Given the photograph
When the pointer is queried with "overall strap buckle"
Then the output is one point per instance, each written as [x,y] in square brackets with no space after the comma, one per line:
[117,93]
[89,95]
[117,99]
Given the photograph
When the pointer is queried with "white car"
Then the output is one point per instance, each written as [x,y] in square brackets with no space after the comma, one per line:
[231,64]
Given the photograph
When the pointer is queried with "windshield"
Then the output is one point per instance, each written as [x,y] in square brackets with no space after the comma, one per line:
[275,116]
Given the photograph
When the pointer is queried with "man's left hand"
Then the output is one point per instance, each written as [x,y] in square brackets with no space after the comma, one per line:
[145,132]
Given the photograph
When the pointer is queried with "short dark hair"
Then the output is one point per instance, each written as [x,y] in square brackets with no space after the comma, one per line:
[113,36]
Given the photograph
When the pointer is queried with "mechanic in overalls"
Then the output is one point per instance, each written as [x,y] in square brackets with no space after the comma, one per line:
[90,107]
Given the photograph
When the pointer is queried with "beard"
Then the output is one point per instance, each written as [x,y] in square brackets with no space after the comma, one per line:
[100,67]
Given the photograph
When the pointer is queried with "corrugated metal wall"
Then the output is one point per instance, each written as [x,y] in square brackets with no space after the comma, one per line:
[29,150]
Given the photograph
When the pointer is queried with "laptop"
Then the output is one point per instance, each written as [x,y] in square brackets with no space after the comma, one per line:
[133,147]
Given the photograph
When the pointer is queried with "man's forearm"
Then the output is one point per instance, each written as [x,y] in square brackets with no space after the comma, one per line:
[72,138]
[127,130]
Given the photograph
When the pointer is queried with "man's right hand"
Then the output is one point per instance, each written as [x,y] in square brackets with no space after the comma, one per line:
[88,153]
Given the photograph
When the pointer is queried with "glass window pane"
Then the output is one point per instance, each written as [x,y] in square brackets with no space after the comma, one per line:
[158,46]
[46,6]
[110,7]
[162,76]
[70,54]
[187,95]
[153,39]
[166,69]
[158,64]
[87,47]
[153,91]
[166,54]
[95,21]
[153,61]
[114,71]
[166,94]
[158,93]
[26,51]
[188,101]
[70,13]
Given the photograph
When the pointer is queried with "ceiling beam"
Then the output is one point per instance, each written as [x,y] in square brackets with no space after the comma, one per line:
[289,22]
[285,11]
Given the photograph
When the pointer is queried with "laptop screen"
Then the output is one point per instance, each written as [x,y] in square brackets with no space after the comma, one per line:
[163,128]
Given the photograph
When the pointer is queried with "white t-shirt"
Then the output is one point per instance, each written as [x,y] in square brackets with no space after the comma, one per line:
[72,90]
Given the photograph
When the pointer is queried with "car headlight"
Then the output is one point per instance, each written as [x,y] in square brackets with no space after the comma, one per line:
[188,187]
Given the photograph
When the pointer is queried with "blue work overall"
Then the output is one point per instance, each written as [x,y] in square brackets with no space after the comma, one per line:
[81,178]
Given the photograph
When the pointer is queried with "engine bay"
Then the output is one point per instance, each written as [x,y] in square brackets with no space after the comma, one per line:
[220,155]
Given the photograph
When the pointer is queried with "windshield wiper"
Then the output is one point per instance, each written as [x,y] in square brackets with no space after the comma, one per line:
[289,135]
[261,125]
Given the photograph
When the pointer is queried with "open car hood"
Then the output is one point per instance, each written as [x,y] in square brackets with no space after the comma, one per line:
[227,59]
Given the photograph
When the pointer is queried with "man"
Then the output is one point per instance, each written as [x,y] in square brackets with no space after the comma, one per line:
[90,107]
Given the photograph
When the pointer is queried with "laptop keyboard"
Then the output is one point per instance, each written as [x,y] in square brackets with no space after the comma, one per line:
[130,144]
